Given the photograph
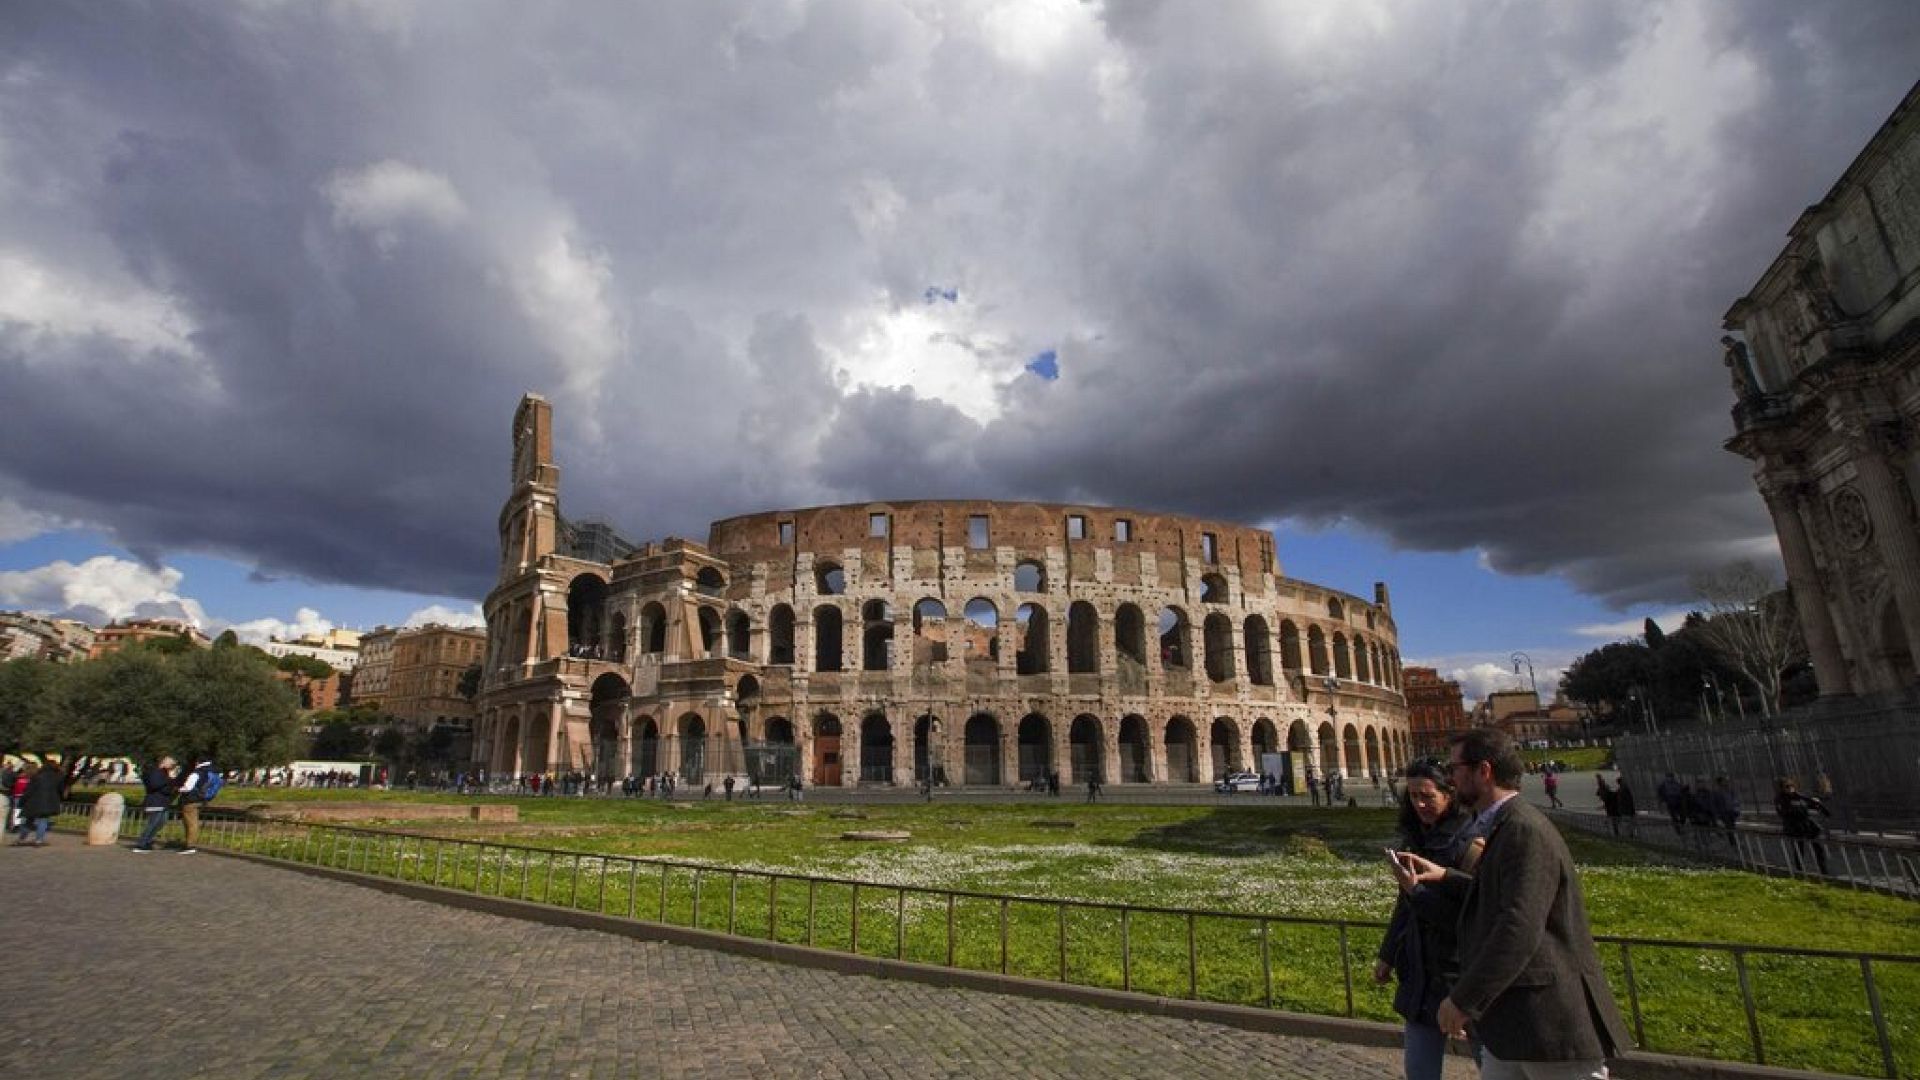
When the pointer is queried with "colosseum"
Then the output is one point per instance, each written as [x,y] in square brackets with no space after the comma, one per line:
[892,643]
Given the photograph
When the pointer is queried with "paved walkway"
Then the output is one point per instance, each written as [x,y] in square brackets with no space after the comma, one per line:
[170,965]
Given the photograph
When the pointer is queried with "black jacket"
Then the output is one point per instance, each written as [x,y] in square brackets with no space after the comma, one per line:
[1420,942]
[160,788]
[44,792]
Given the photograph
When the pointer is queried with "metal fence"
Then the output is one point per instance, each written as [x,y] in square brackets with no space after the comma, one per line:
[1878,865]
[1702,999]
[1870,757]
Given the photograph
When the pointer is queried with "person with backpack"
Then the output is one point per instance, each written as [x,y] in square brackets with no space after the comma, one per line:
[198,786]
[40,802]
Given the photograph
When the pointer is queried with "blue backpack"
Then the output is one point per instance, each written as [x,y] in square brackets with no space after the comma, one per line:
[210,784]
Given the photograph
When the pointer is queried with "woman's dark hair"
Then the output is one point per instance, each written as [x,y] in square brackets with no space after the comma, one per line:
[1424,769]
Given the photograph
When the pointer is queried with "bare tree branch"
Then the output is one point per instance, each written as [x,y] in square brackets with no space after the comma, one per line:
[1750,622]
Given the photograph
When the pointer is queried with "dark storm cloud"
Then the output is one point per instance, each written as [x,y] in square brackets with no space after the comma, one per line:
[272,278]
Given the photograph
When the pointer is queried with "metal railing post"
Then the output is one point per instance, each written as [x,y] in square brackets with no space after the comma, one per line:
[949,929]
[853,940]
[1633,997]
[1346,967]
[733,900]
[1126,949]
[1003,935]
[1746,1001]
[1060,914]
[1879,1017]
[1193,961]
[900,925]
[1266,966]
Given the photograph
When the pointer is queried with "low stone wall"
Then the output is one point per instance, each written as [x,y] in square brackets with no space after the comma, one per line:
[384,811]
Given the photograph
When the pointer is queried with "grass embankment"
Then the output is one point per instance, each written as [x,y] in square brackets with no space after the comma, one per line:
[1251,861]
[1577,758]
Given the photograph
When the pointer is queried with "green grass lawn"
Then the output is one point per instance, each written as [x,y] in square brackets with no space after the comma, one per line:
[1578,758]
[1243,861]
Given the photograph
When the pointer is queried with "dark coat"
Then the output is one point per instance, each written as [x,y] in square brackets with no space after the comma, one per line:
[1420,942]
[44,792]
[160,787]
[1530,978]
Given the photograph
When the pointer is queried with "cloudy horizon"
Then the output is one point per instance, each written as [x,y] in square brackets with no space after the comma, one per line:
[273,277]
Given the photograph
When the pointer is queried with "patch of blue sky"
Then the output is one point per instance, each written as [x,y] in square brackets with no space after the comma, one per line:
[1046,365]
[937,293]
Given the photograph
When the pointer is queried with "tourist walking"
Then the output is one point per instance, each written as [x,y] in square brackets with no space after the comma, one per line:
[1609,802]
[1420,946]
[1673,795]
[195,786]
[160,785]
[1796,820]
[1313,787]
[40,803]
[1725,804]
[1530,979]
[1551,781]
[1623,802]
[1093,787]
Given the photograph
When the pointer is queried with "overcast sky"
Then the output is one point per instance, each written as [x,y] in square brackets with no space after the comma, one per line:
[273,276]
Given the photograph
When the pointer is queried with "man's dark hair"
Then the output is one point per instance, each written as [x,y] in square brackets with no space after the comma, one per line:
[1495,747]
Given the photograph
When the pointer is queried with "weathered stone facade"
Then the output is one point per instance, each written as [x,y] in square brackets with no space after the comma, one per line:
[1828,390]
[985,643]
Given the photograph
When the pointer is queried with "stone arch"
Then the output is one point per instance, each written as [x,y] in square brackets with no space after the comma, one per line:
[982,741]
[1355,763]
[587,616]
[828,639]
[1342,660]
[691,730]
[1176,640]
[876,637]
[929,632]
[653,628]
[710,637]
[608,700]
[1223,745]
[1034,656]
[826,749]
[1213,588]
[739,635]
[1130,637]
[1336,610]
[926,755]
[1259,649]
[1136,750]
[1290,656]
[1266,740]
[1376,764]
[1362,661]
[982,619]
[710,581]
[1086,747]
[538,739]
[506,747]
[1217,633]
[780,635]
[1083,639]
[876,749]
[1030,576]
[779,730]
[1035,741]
[616,645]
[1181,743]
[1317,650]
[1329,743]
[829,579]
[646,746]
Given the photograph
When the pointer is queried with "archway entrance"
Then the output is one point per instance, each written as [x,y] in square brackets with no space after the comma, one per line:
[1036,748]
[1182,762]
[693,749]
[1224,745]
[926,761]
[1084,748]
[826,750]
[876,750]
[1134,751]
[646,748]
[983,750]
[606,709]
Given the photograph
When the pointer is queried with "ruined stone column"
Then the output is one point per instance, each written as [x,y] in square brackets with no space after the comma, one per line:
[1786,504]
[1893,534]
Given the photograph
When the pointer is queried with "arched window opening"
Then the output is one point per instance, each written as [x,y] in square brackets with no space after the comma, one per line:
[1130,636]
[983,749]
[646,747]
[1030,576]
[876,749]
[1316,650]
[587,617]
[617,638]
[1136,753]
[1176,653]
[780,635]
[876,636]
[693,750]
[1086,747]
[1035,748]
[1213,589]
[709,632]
[1083,639]
[1290,657]
[1218,632]
[1223,744]
[1335,609]
[827,639]
[1182,762]
[1362,660]
[1342,660]
[1259,646]
[929,633]
[983,634]
[739,635]
[829,579]
[653,622]
[1033,657]
[709,581]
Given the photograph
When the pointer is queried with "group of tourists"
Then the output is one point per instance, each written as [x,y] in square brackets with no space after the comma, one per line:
[1489,939]
[170,786]
[31,790]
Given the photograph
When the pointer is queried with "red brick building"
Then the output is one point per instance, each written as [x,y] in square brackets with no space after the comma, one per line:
[1435,709]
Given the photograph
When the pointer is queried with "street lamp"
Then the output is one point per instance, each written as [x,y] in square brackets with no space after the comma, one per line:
[1520,658]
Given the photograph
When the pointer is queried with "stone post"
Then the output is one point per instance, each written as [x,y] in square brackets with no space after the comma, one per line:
[1785,503]
[103,825]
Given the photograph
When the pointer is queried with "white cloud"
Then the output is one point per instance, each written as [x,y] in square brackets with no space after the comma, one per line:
[18,522]
[46,299]
[446,616]
[383,196]
[101,588]
[305,621]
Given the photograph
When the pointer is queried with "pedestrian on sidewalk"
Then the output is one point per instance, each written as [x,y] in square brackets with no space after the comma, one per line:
[41,802]
[1609,802]
[193,793]
[158,780]
[1623,801]
[1796,820]
[1551,781]
[1420,950]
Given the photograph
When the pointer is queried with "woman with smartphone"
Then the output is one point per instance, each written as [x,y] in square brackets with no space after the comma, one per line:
[1420,949]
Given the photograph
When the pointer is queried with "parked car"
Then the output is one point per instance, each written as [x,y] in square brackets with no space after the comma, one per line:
[1240,781]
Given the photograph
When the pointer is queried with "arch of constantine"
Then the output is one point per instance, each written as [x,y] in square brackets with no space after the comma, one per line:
[979,643]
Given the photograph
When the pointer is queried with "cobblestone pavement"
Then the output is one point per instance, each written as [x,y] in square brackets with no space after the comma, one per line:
[170,965]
